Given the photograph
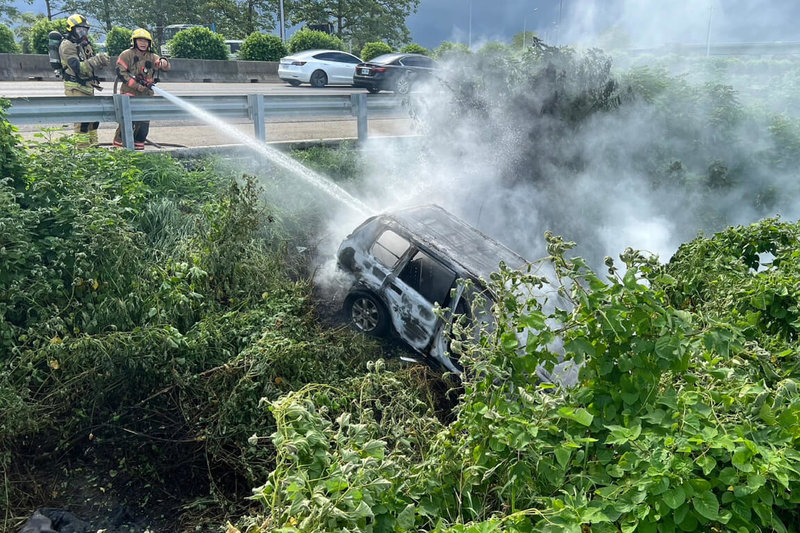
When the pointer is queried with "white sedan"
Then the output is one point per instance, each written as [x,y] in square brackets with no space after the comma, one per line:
[318,67]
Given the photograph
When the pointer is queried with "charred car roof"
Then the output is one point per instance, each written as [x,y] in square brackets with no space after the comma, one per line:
[476,253]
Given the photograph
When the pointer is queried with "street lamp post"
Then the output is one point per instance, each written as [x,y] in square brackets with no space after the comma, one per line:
[282,27]
[525,28]
[558,28]
[470,25]
[708,31]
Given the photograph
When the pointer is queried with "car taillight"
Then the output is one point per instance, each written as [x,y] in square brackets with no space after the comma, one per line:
[379,69]
[298,63]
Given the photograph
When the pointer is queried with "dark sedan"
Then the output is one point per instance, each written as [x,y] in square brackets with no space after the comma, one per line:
[393,72]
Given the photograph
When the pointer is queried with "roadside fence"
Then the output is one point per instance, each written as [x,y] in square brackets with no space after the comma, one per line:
[257,108]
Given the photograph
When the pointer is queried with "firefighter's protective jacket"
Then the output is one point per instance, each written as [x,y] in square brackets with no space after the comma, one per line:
[137,71]
[78,72]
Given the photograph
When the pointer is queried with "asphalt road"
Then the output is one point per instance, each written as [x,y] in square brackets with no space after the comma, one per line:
[170,134]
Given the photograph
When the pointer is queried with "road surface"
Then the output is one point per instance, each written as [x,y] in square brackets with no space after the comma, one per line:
[170,134]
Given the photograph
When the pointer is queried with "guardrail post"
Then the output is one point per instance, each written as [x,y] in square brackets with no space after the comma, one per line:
[358,106]
[122,110]
[255,104]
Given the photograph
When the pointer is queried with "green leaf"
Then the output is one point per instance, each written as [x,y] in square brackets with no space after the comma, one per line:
[580,415]
[674,498]
[562,456]
[510,341]
[706,463]
[629,279]
[405,520]
[741,459]
[706,505]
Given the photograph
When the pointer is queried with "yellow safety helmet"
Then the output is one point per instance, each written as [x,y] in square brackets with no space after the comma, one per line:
[140,33]
[76,20]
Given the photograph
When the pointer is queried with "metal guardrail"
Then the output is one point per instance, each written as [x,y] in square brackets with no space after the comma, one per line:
[125,110]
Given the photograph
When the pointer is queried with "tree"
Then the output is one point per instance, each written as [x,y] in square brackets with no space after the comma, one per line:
[39,31]
[450,49]
[7,8]
[241,18]
[107,12]
[372,50]
[360,21]
[262,47]
[7,43]
[117,40]
[198,43]
[414,48]
[22,24]
[523,39]
[311,39]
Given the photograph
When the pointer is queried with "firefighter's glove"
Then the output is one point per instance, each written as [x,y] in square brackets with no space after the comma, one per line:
[99,61]
[141,86]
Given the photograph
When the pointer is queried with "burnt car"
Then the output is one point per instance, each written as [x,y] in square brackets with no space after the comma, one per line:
[405,262]
[394,72]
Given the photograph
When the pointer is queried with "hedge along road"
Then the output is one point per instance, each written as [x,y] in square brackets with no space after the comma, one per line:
[170,134]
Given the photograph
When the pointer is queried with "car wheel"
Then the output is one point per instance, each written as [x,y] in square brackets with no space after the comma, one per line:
[293,83]
[367,314]
[319,79]
[373,90]
[403,84]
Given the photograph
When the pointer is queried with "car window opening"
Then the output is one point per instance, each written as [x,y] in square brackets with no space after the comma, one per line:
[389,248]
[431,279]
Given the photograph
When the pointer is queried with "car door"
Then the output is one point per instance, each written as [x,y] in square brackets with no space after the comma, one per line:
[337,67]
[345,67]
[417,284]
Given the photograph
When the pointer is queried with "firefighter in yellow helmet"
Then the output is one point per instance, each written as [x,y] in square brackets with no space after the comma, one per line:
[137,68]
[81,66]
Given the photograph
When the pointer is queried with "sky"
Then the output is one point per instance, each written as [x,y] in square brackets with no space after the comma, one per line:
[650,23]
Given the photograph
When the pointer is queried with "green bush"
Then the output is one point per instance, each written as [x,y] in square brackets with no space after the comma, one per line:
[449,49]
[306,39]
[7,43]
[373,50]
[414,48]
[9,140]
[198,43]
[262,47]
[118,40]
[40,29]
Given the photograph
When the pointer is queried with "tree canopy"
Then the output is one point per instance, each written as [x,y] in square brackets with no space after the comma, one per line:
[360,21]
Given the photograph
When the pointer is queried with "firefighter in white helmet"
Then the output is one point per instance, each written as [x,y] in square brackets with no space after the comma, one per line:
[137,68]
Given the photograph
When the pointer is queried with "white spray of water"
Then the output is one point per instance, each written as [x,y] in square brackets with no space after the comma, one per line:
[277,157]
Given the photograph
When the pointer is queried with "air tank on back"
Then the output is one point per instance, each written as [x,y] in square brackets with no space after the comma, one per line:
[54,39]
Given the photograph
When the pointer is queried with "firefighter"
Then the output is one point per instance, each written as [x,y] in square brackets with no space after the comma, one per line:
[137,68]
[81,66]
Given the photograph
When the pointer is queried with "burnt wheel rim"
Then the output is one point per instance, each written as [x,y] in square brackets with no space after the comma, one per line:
[365,314]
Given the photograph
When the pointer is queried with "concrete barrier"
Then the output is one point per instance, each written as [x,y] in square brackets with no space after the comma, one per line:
[23,67]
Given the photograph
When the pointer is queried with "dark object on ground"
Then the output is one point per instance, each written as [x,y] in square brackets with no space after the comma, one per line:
[50,520]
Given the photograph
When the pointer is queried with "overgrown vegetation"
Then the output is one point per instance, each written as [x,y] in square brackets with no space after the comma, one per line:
[160,316]
[686,416]
[146,311]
